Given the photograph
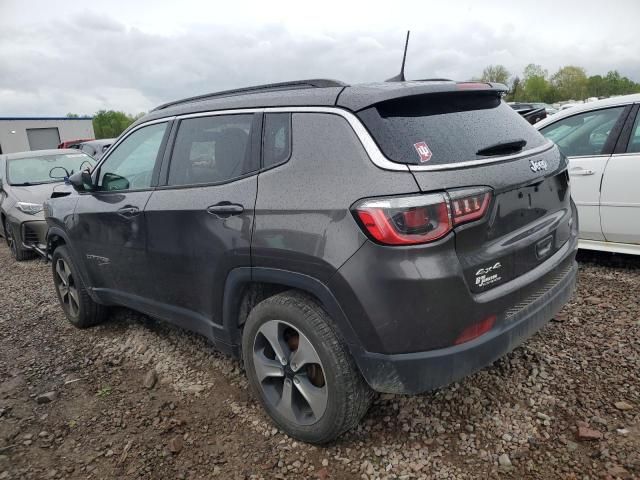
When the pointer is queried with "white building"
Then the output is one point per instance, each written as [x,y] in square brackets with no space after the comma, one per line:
[20,134]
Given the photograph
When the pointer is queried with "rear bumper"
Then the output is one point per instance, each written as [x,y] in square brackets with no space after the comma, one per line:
[412,373]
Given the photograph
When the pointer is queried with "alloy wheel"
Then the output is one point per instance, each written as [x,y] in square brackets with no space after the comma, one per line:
[67,288]
[290,372]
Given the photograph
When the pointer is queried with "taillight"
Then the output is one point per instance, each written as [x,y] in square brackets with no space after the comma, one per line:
[420,218]
[467,206]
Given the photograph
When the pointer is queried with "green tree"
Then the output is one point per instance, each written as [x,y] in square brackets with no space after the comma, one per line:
[515,91]
[73,115]
[495,73]
[570,83]
[110,124]
[536,86]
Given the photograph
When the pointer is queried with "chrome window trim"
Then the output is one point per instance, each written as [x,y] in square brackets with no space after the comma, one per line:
[371,147]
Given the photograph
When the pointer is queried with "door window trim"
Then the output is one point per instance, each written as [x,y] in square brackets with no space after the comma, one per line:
[610,144]
[159,157]
[622,146]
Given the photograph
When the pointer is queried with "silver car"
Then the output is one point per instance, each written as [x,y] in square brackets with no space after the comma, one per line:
[27,179]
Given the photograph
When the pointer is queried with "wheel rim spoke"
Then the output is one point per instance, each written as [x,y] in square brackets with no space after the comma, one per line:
[316,397]
[305,354]
[285,405]
[64,290]
[266,367]
[272,333]
[62,274]
[73,294]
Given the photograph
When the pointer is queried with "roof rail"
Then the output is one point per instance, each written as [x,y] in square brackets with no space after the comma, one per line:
[269,87]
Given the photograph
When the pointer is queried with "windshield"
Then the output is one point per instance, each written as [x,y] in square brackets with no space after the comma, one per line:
[35,170]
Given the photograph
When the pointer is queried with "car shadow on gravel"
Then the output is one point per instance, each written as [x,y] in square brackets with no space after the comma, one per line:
[607,259]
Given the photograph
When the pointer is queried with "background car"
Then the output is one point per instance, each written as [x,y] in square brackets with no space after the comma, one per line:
[602,141]
[73,143]
[547,108]
[529,111]
[96,148]
[25,183]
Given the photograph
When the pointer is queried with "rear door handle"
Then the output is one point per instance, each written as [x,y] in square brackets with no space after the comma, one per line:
[581,171]
[225,209]
[128,212]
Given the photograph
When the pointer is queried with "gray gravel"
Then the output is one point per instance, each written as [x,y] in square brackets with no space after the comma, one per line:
[136,398]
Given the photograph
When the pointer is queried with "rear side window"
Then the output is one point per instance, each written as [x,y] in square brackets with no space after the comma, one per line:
[277,139]
[583,134]
[448,128]
[211,150]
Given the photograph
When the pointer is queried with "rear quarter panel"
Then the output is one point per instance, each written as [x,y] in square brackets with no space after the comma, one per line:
[303,221]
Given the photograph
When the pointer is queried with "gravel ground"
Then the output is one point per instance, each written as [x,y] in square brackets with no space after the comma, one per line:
[136,398]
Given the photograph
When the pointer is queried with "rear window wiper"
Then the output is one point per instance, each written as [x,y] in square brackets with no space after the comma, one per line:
[503,148]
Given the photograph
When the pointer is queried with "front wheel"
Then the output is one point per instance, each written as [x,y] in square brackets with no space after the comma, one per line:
[15,243]
[300,371]
[80,309]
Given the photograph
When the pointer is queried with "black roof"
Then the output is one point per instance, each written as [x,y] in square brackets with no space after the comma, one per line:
[315,92]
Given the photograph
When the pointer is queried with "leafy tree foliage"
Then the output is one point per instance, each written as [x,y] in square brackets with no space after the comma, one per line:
[110,124]
[495,73]
[568,83]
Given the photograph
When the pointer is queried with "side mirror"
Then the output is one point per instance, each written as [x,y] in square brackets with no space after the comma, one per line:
[81,181]
[58,173]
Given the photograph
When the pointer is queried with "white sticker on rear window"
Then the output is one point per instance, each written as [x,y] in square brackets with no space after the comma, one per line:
[74,155]
[423,150]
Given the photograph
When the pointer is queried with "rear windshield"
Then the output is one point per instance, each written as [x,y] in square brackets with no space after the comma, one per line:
[440,129]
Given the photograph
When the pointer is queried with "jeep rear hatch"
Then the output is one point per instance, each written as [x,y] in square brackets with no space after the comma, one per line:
[465,141]
[448,128]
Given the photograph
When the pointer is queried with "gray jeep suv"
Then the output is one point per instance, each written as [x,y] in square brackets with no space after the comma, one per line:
[341,240]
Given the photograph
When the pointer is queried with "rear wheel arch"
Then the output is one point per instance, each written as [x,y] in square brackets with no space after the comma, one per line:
[246,287]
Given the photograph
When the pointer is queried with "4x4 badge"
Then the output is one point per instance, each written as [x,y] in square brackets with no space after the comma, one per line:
[537,165]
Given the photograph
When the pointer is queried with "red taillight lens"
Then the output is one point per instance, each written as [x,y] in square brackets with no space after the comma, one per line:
[467,207]
[475,330]
[406,220]
[420,218]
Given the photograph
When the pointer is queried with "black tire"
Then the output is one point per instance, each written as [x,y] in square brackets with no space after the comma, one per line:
[348,397]
[15,244]
[80,309]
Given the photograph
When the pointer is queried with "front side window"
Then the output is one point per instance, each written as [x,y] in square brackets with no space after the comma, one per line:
[634,141]
[583,134]
[276,146]
[130,166]
[211,150]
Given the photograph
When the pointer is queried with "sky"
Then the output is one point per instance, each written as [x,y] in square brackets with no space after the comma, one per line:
[67,56]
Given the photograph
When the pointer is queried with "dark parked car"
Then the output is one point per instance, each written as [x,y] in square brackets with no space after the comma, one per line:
[532,113]
[96,148]
[25,183]
[339,239]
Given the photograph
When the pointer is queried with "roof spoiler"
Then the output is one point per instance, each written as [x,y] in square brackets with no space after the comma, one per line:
[366,95]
